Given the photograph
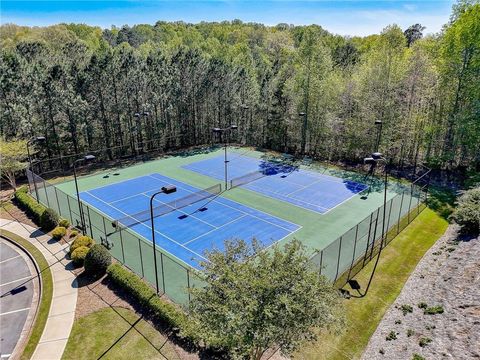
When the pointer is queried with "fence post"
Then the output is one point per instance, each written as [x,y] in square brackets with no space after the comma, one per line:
[89,222]
[188,285]
[121,245]
[374,234]
[321,263]
[58,202]
[354,250]
[368,239]
[45,189]
[163,272]
[388,220]
[400,213]
[141,258]
[339,253]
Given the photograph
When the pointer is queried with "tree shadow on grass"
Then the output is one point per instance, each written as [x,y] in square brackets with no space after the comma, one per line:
[172,335]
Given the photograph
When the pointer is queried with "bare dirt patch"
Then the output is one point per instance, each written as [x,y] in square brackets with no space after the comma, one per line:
[437,314]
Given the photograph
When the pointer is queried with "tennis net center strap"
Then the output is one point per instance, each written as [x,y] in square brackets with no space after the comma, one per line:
[165,208]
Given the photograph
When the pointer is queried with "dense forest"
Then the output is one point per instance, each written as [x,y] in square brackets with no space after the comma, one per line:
[290,88]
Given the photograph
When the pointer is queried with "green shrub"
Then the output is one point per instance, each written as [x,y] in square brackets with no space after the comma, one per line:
[81,241]
[29,204]
[79,254]
[410,332]
[406,309]
[417,357]
[424,341]
[98,260]
[467,212]
[73,234]
[391,336]
[49,219]
[422,305]
[65,223]
[146,297]
[433,310]
[59,232]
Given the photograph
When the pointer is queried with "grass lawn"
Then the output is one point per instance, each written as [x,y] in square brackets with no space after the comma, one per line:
[47,293]
[116,333]
[397,262]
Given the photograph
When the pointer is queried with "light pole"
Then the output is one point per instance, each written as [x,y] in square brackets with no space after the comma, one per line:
[35,139]
[223,131]
[373,161]
[379,124]
[165,190]
[86,158]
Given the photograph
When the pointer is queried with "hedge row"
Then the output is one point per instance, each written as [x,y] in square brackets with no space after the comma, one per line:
[146,296]
[29,204]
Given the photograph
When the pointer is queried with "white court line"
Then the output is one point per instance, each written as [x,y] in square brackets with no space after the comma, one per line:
[3,356]
[13,257]
[191,191]
[14,311]
[208,232]
[185,213]
[148,227]
[14,281]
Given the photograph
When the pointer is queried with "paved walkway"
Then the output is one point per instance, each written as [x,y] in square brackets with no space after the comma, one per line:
[62,311]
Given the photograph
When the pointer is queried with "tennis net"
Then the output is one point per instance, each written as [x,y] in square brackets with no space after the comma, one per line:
[165,208]
[247,178]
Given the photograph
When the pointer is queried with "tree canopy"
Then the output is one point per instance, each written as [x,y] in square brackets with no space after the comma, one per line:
[80,87]
[255,300]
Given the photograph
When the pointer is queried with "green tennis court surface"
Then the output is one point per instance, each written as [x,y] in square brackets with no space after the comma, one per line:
[344,230]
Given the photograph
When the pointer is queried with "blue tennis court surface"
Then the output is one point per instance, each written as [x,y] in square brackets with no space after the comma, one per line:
[189,231]
[307,189]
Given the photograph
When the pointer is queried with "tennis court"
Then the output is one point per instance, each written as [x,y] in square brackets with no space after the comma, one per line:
[187,222]
[306,189]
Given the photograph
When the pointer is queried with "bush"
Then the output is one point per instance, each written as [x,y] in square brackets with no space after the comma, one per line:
[406,309]
[73,234]
[65,223]
[433,310]
[467,213]
[424,341]
[417,357]
[81,241]
[410,332]
[49,219]
[29,204]
[422,305]
[79,254]
[59,232]
[97,260]
[391,336]
[146,296]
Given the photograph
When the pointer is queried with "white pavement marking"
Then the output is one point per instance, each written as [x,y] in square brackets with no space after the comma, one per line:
[14,311]
[13,257]
[14,281]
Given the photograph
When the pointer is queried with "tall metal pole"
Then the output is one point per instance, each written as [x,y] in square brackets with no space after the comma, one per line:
[383,226]
[80,209]
[226,162]
[152,225]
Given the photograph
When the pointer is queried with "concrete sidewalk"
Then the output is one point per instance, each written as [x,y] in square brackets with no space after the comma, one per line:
[62,311]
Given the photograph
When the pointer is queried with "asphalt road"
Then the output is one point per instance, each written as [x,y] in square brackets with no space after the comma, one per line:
[16,295]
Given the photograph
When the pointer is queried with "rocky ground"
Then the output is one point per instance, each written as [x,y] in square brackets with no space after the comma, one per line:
[446,282]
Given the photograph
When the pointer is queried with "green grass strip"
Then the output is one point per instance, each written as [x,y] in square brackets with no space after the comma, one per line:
[47,293]
[116,333]
[398,261]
